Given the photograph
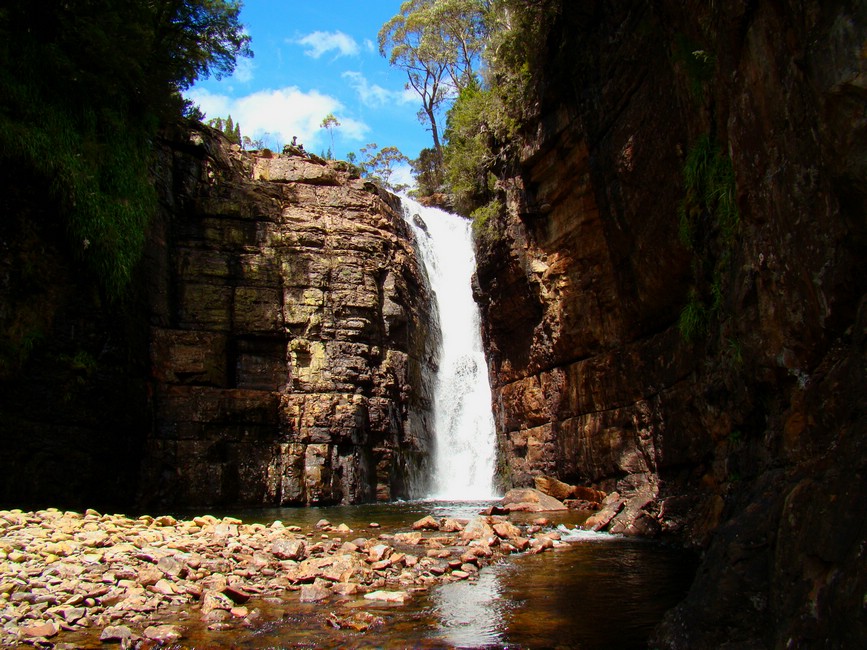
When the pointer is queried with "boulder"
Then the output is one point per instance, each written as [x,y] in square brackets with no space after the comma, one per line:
[506,530]
[477,528]
[554,487]
[426,523]
[530,500]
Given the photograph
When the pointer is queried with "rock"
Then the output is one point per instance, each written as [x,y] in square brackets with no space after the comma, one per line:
[554,487]
[163,634]
[288,549]
[314,593]
[237,593]
[44,629]
[477,528]
[449,525]
[164,587]
[116,634]
[506,530]
[530,500]
[379,552]
[346,588]
[426,523]
[149,575]
[359,621]
[172,567]
[413,538]
[212,600]
[388,596]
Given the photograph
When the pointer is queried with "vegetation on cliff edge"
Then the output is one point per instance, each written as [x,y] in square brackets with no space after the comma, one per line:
[84,86]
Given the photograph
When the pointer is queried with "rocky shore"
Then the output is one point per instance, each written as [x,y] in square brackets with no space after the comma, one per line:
[117,580]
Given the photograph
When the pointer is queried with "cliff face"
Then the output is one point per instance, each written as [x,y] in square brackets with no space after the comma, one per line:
[289,334]
[717,374]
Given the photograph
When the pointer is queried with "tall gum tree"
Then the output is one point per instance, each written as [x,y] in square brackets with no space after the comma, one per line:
[437,43]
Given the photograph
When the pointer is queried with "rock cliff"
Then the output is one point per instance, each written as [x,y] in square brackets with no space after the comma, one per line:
[290,330]
[646,339]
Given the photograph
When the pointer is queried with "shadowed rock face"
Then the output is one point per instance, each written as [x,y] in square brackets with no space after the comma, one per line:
[747,440]
[290,331]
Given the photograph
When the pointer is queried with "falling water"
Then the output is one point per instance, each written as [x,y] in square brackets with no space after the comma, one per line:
[463,421]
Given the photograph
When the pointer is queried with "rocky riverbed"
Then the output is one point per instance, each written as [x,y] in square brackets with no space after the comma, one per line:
[118,580]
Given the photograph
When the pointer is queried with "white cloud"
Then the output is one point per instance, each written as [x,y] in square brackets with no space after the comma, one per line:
[318,43]
[402,175]
[369,45]
[374,95]
[281,114]
[244,70]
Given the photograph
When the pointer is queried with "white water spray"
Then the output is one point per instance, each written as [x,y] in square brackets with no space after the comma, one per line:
[463,421]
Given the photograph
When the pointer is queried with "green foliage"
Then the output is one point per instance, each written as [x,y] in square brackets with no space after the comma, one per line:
[379,165]
[709,184]
[437,44]
[485,120]
[467,155]
[427,172]
[485,220]
[330,123]
[693,321]
[84,85]
[229,128]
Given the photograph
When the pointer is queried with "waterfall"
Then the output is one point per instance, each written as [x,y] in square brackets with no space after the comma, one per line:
[465,443]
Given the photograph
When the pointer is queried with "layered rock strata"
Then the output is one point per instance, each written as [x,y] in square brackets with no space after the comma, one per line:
[291,330]
[741,430]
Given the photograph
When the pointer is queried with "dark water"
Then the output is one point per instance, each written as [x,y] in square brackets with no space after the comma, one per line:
[598,592]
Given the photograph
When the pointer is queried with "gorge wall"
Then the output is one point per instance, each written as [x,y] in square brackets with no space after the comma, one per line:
[290,334]
[272,351]
[719,375]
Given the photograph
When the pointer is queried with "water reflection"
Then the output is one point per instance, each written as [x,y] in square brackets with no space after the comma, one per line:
[472,614]
[603,592]
[600,592]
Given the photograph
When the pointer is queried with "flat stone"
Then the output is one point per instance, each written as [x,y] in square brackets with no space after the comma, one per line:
[388,596]
[164,633]
[116,634]
[314,593]
[45,629]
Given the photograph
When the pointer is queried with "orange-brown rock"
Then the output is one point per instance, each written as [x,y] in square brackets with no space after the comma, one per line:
[290,331]
[745,435]
[530,500]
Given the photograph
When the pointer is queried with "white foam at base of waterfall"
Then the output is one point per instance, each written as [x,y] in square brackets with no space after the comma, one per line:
[465,446]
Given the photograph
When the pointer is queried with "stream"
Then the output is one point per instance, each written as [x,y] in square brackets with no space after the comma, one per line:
[599,591]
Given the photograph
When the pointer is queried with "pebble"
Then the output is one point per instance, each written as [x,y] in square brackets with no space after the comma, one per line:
[112,576]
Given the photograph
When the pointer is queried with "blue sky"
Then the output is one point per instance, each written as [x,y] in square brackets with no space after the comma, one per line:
[311,59]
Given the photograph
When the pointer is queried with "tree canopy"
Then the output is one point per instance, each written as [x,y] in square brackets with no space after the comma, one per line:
[438,44]
[84,84]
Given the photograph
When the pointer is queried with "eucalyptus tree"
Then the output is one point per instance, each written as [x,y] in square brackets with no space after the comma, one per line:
[438,44]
